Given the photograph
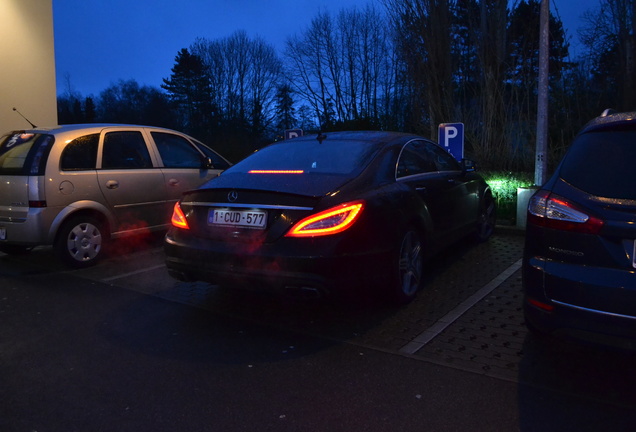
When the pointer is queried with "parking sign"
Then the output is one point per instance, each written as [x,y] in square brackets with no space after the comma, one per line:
[293,133]
[451,137]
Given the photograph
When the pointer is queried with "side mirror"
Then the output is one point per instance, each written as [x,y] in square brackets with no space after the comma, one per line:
[468,165]
[207,163]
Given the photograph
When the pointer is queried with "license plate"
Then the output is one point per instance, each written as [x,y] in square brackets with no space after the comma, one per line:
[3,233]
[239,218]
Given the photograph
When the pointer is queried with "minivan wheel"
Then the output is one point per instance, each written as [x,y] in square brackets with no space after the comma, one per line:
[409,267]
[80,242]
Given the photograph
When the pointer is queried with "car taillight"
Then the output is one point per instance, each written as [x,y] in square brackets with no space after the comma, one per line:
[178,218]
[540,304]
[552,211]
[330,221]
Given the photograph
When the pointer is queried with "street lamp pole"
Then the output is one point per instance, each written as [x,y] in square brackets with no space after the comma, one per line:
[541,162]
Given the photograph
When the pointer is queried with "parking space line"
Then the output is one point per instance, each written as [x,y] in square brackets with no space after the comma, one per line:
[429,334]
[132,273]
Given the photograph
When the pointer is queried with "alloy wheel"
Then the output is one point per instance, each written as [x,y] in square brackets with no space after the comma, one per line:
[410,266]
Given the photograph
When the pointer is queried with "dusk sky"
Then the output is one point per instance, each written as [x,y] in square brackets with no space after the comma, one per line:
[98,43]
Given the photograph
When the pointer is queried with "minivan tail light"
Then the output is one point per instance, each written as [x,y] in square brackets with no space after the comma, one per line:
[331,221]
[178,218]
[552,211]
[541,305]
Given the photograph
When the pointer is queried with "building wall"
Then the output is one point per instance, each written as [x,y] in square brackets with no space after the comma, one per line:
[27,64]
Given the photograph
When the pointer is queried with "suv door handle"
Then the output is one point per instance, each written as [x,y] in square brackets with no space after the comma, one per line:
[173,182]
[112,184]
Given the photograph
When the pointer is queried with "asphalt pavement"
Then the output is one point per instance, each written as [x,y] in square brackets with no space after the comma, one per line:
[123,347]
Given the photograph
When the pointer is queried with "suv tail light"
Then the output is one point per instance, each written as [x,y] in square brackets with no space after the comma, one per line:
[553,211]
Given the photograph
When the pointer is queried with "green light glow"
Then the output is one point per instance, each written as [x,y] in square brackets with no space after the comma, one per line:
[504,187]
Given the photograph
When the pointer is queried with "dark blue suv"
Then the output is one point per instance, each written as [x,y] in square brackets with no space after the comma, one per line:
[579,266]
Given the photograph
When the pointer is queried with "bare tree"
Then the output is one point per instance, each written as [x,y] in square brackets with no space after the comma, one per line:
[344,67]
[425,38]
[263,78]
[609,34]
[308,68]
[492,144]
[244,74]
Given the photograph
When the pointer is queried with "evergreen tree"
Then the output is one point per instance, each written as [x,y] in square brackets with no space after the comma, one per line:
[285,111]
[307,119]
[89,110]
[190,92]
[523,37]
[128,102]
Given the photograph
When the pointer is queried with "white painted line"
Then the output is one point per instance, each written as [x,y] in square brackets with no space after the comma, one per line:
[132,273]
[427,335]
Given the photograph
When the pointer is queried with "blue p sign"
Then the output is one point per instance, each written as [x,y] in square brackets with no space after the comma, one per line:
[293,133]
[451,137]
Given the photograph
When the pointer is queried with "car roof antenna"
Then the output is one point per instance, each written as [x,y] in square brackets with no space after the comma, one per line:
[32,125]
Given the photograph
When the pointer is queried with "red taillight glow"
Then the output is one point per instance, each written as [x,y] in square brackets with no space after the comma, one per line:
[330,221]
[552,211]
[541,305]
[276,171]
[178,218]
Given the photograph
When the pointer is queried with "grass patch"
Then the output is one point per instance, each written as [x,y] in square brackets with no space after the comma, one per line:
[504,188]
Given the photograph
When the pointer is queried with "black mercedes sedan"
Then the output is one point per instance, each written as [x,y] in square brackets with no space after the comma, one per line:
[328,214]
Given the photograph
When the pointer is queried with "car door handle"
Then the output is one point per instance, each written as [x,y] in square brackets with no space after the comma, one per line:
[420,188]
[112,184]
[173,182]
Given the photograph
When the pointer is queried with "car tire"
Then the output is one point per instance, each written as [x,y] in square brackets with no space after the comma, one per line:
[81,242]
[409,265]
[487,220]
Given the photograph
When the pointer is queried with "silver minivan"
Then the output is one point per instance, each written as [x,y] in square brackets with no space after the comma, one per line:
[78,186]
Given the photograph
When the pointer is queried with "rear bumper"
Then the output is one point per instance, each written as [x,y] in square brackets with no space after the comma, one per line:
[581,319]
[31,230]
[317,272]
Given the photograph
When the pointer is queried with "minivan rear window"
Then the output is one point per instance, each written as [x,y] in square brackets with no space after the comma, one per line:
[23,153]
[603,164]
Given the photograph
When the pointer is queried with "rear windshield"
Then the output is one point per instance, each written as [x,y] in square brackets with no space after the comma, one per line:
[24,153]
[345,158]
[603,164]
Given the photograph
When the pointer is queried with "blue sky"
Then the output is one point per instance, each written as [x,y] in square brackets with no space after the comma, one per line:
[99,42]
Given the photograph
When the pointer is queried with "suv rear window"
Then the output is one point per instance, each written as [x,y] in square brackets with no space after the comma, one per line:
[602,164]
[24,153]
